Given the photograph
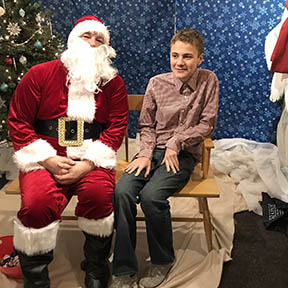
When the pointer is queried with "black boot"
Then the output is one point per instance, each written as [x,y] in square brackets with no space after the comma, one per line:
[35,269]
[96,251]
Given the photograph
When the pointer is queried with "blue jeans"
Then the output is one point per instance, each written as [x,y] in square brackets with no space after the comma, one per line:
[152,193]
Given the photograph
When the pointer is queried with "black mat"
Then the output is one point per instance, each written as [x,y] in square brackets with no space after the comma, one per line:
[260,257]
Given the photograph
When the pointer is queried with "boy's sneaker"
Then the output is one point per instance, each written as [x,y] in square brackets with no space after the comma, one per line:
[156,275]
[124,281]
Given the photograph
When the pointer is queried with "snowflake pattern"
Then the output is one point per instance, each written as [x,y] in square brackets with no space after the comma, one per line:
[234,34]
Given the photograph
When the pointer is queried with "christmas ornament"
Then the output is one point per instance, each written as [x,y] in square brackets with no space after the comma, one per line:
[38,18]
[4,87]
[2,11]
[8,60]
[38,44]
[2,104]
[13,29]
[22,12]
[14,63]
[23,60]
[12,85]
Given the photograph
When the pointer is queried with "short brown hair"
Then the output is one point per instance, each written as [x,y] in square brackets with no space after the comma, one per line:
[191,36]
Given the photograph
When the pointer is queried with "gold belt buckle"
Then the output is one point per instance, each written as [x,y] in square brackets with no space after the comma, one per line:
[62,141]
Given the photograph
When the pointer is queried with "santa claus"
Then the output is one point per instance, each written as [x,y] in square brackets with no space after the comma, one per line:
[67,119]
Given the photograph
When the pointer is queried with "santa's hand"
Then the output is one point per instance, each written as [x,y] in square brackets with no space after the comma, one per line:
[75,173]
[57,164]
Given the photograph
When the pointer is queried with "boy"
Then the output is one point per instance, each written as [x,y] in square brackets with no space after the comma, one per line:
[178,112]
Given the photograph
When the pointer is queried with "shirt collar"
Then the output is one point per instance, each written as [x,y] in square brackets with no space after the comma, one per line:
[192,82]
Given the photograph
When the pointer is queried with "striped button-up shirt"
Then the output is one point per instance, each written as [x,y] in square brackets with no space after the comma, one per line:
[176,115]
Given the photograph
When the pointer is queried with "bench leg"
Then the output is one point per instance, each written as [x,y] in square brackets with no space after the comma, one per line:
[200,205]
[207,222]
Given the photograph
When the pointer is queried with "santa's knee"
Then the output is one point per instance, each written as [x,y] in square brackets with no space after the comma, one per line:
[38,214]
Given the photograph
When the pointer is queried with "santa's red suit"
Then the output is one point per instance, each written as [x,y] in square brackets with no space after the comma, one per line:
[43,95]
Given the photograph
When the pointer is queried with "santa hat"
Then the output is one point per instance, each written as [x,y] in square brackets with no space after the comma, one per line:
[276,45]
[89,24]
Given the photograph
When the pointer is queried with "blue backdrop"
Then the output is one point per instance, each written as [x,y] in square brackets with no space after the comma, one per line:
[234,33]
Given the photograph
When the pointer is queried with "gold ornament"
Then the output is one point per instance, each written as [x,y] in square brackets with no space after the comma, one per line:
[14,29]
[23,60]
[22,12]
[38,18]
[2,11]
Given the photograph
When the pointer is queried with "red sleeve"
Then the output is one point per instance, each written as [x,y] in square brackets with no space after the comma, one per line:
[115,130]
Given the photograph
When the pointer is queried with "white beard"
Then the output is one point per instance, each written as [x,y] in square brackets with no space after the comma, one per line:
[88,69]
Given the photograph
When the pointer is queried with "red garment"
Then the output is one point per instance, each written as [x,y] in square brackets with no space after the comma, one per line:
[42,94]
[278,59]
[43,200]
[280,52]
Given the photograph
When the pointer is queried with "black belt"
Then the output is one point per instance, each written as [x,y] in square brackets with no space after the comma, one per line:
[50,128]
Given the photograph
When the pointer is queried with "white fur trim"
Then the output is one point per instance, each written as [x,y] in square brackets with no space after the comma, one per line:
[81,106]
[89,26]
[33,241]
[101,227]
[101,154]
[279,88]
[78,152]
[28,157]
[279,81]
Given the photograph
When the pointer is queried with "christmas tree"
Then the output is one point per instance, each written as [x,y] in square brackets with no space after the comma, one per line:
[26,39]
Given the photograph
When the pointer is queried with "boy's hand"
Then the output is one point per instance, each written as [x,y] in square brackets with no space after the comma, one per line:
[171,160]
[139,164]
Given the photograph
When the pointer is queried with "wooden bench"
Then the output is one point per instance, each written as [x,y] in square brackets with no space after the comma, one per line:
[201,185]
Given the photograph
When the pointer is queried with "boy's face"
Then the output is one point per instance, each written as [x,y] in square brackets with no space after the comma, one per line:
[184,60]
